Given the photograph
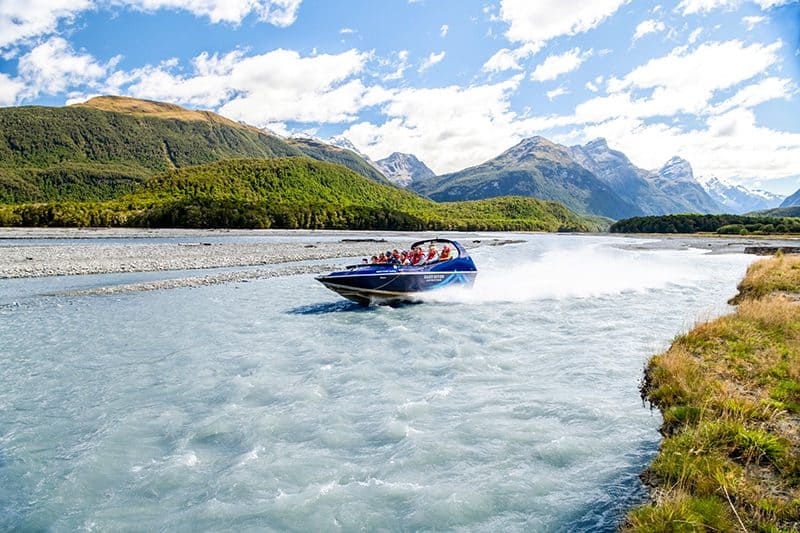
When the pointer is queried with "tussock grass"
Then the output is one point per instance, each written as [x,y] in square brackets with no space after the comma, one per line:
[778,274]
[729,392]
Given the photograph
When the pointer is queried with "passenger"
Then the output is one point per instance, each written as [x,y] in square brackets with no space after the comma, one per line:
[373,260]
[445,255]
[433,254]
[396,255]
[391,259]
[406,258]
[365,261]
[419,257]
[382,258]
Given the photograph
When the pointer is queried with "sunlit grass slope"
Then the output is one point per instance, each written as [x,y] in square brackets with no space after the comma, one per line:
[729,392]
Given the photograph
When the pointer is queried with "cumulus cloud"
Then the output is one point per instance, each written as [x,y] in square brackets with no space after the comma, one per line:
[10,90]
[449,128]
[21,20]
[647,26]
[443,30]
[53,66]
[543,20]
[730,145]
[763,91]
[431,60]
[681,82]
[556,65]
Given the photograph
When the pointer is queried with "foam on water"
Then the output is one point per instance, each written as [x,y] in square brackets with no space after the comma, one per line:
[273,405]
[590,271]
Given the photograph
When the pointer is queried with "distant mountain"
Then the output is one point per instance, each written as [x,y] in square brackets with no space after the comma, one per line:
[737,199]
[402,169]
[109,145]
[676,179]
[794,199]
[628,181]
[535,167]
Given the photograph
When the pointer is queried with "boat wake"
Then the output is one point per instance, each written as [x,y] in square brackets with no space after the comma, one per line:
[580,273]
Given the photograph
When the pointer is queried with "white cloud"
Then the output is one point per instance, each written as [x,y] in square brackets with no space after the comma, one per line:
[680,82]
[591,86]
[345,31]
[729,146]
[10,90]
[694,35]
[556,65]
[449,128]
[758,93]
[542,20]
[53,66]
[270,88]
[690,7]
[276,12]
[647,26]
[555,93]
[751,22]
[443,30]
[506,59]
[399,66]
[431,60]
[22,20]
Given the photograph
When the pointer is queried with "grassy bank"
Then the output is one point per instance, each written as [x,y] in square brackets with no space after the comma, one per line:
[729,392]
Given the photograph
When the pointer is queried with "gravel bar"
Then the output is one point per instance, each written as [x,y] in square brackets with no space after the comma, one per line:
[104,258]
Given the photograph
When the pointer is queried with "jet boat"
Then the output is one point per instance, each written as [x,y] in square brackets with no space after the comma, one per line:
[391,283]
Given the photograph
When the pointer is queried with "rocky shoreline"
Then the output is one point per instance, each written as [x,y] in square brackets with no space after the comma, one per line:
[92,254]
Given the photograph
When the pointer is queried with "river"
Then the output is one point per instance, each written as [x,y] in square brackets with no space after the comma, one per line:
[276,405]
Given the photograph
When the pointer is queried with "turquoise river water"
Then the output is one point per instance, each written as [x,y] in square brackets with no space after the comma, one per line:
[275,405]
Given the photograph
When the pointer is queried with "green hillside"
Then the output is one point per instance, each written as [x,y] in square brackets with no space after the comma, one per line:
[109,145]
[722,224]
[333,154]
[291,193]
[778,212]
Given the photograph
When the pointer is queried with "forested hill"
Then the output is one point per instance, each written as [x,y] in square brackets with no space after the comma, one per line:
[108,145]
[292,193]
[722,224]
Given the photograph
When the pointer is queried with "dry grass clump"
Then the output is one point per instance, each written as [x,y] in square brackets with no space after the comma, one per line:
[729,391]
[777,274]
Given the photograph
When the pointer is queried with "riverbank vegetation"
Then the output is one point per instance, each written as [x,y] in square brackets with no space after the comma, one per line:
[294,193]
[721,224]
[729,392]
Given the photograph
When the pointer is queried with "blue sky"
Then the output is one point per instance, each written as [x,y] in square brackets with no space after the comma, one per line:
[454,82]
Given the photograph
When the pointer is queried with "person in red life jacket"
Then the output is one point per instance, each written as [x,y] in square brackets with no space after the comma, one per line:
[433,254]
[381,258]
[417,256]
[445,255]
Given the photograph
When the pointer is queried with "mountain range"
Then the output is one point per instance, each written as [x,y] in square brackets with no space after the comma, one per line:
[110,145]
[737,199]
[543,169]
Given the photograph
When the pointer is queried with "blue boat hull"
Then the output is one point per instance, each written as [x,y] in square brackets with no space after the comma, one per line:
[371,284]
